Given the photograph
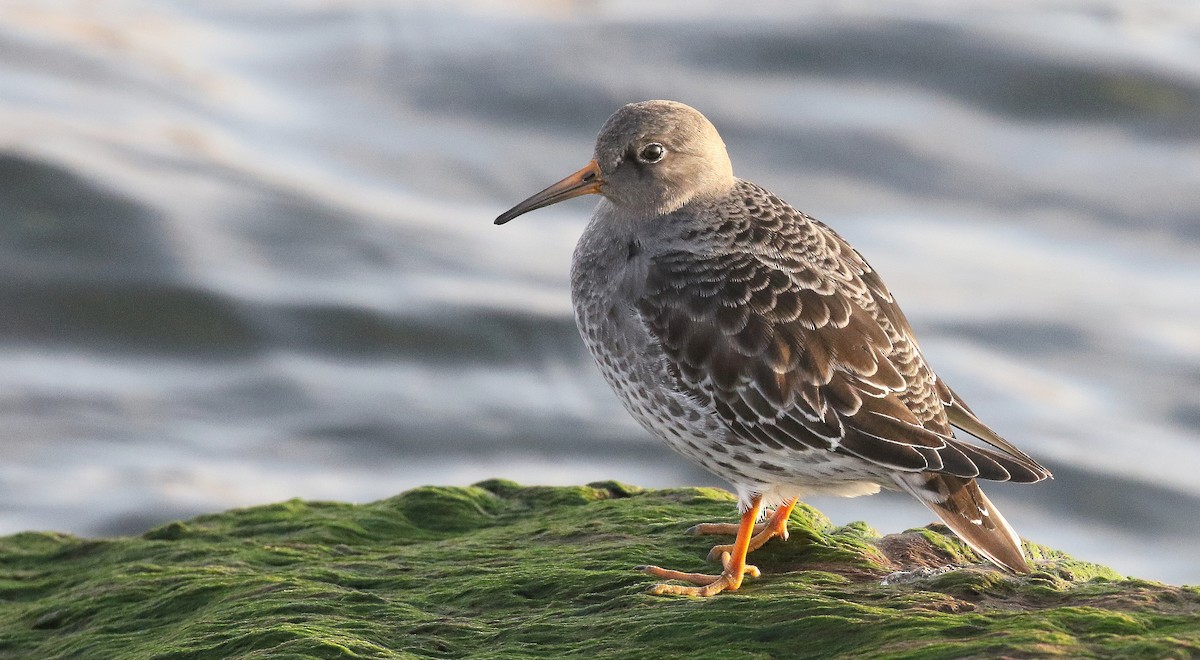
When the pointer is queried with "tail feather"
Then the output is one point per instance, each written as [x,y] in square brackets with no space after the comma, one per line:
[968,512]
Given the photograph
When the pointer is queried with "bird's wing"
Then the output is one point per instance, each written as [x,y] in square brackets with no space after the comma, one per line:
[957,412]
[798,346]
[962,417]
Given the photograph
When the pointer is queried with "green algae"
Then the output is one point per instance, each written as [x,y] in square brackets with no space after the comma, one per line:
[501,570]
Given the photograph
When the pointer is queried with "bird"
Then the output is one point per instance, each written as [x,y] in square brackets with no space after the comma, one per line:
[754,340]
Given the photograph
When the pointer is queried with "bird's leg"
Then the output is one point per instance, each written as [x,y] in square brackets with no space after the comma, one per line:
[731,529]
[734,563]
[763,532]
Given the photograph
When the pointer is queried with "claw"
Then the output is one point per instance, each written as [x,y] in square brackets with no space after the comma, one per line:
[722,583]
[775,527]
[708,585]
[719,529]
[719,550]
[668,574]
[733,561]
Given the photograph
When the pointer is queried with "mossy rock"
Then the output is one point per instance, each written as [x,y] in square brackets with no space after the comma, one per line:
[498,569]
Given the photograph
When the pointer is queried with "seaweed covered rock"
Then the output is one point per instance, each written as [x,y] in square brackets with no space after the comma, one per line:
[501,569]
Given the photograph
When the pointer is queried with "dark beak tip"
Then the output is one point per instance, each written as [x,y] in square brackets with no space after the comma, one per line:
[584,182]
[508,215]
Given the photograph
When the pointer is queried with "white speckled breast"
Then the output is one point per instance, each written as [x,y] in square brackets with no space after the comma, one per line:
[607,274]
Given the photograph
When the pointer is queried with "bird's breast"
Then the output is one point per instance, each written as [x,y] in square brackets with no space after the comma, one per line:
[608,277]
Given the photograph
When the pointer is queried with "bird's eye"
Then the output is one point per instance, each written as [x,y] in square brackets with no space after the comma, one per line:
[652,153]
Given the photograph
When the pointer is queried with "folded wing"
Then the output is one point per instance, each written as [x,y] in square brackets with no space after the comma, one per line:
[797,344]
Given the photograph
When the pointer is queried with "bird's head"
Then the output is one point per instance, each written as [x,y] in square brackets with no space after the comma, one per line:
[651,158]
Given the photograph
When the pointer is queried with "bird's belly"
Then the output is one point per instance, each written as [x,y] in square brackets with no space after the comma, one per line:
[635,366]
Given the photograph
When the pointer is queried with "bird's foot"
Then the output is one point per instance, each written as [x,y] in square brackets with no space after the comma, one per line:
[734,562]
[719,529]
[709,585]
[775,526]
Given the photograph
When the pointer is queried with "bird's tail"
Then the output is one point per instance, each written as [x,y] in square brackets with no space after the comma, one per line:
[965,509]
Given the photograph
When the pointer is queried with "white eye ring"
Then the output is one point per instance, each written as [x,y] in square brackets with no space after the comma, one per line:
[652,153]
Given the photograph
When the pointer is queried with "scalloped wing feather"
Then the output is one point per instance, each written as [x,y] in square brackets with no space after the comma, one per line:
[798,345]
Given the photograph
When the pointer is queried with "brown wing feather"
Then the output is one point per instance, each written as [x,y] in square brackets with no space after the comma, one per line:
[797,344]
[962,417]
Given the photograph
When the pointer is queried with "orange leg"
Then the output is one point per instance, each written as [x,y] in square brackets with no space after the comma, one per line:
[763,532]
[733,562]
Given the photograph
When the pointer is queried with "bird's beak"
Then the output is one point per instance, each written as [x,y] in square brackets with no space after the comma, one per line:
[586,181]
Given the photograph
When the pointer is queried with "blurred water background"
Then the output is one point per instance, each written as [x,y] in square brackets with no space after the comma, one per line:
[247,254]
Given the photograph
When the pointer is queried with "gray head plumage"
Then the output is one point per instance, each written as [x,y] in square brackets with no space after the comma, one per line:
[690,159]
[651,158]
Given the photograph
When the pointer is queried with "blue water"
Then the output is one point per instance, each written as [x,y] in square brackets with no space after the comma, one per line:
[246,250]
